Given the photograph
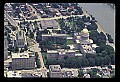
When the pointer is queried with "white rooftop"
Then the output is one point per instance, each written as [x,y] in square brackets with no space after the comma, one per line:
[20,55]
[77,41]
[60,51]
[54,34]
[52,51]
[14,74]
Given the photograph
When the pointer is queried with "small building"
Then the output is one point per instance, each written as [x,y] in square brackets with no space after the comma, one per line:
[45,36]
[60,53]
[46,24]
[68,74]
[55,71]
[14,74]
[63,11]
[86,75]
[23,60]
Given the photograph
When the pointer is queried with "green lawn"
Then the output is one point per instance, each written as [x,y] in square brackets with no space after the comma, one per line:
[70,35]
[70,42]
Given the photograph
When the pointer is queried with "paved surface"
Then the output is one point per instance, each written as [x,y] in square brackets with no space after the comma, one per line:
[36,48]
[39,19]
[10,19]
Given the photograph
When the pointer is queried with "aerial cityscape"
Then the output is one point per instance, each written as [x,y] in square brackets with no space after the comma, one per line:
[56,40]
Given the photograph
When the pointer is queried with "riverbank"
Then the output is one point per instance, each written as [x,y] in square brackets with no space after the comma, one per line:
[104,14]
[100,28]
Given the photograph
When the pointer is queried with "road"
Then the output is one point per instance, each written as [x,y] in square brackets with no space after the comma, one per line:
[36,48]
[39,19]
[10,19]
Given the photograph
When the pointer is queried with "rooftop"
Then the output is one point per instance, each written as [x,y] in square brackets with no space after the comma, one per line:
[60,51]
[14,74]
[49,23]
[21,55]
[55,68]
[54,34]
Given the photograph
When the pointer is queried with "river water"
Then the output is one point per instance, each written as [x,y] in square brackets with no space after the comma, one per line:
[104,14]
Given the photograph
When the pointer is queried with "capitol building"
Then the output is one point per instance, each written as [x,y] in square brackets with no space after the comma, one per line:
[83,43]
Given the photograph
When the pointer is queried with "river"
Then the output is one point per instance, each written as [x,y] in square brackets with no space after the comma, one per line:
[104,14]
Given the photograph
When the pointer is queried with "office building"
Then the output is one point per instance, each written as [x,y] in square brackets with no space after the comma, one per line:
[23,61]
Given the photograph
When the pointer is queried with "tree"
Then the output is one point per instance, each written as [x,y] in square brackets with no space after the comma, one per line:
[22,50]
[104,53]
[84,62]
[110,67]
[112,57]
[13,28]
[108,60]
[97,61]
[88,55]
[91,62]
[38,63]
[26,47]
[80,73]
[16,49]
[55,5]
[92,74]
[45,31]
[65,57]
[31,34]
[109,38]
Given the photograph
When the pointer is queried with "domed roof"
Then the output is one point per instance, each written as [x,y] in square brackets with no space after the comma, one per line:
[85,31]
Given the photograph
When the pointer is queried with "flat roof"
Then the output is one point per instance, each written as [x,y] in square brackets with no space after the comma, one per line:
[22,55]
[77,41]
[70,50]
[60,51]
[55,68]
[14,74]
[54,34]
[52,51]
[49,23]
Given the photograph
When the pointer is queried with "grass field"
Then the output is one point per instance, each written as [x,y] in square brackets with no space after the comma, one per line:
[70,42]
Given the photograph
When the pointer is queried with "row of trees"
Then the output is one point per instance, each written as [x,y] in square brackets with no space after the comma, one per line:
[109,38]
[106,57]
[98,38]
[37,60]
[78,62]
[92,73]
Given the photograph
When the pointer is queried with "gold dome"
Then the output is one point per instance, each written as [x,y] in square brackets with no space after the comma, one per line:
[85,31]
